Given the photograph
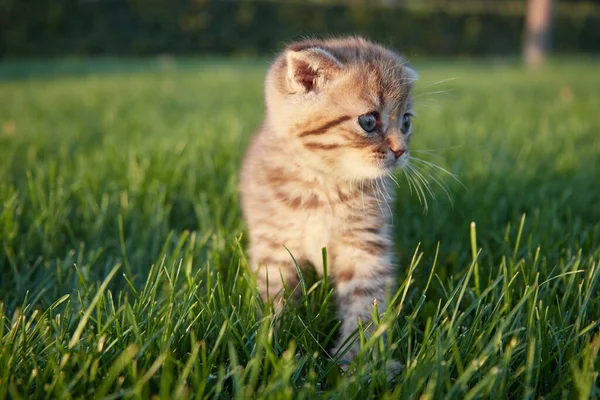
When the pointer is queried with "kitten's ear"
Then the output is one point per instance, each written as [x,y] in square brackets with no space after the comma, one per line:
[310,69]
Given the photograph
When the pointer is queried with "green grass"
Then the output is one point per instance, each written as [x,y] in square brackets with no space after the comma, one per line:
[122,269]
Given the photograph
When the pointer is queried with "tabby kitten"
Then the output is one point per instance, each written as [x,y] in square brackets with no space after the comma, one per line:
[338,119]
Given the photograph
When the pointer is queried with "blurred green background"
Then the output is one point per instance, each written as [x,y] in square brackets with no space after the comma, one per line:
[256,27]
[122,268]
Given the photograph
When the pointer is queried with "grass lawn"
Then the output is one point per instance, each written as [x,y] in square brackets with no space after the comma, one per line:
[122,267]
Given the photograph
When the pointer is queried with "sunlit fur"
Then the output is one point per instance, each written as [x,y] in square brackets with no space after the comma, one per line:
[313,178]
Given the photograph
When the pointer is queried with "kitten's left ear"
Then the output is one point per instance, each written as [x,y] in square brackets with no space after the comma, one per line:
[310,69]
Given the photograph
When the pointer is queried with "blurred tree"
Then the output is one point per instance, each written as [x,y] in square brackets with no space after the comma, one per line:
[538,25]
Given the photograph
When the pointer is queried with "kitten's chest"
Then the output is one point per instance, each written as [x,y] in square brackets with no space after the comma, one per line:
[337,209]
[320,228]
[317,233]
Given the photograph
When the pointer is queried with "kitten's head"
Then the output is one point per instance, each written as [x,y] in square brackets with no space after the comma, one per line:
[345,102]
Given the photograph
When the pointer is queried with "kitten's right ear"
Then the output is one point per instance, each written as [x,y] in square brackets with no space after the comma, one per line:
[309,70]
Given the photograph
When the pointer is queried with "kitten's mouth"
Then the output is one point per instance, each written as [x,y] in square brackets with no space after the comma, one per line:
[398,163]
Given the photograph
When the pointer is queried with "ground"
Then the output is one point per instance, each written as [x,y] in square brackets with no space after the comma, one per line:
[122,267]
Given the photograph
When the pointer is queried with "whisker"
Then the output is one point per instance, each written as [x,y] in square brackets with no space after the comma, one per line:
[435,106]
[417,186]
[377,193]
[437,167]
[438,82]
[429,172]
[418,95]
[392,177]
[424,180]
[387,201]
[384,185]
[443,185]
[428,151]
[434,152]
[410,188]
[410,185]
[432,165]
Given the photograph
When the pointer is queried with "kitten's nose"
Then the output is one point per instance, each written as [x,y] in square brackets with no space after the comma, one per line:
[395,145]
[398,152]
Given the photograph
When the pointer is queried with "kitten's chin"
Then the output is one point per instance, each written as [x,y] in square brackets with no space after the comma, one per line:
[370,172]
[399,163]
[369,169]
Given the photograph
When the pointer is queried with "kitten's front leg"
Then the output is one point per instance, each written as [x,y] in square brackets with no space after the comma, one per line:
[362,274]
[273,269]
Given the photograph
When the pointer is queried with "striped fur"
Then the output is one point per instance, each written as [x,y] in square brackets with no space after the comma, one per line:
[313,178]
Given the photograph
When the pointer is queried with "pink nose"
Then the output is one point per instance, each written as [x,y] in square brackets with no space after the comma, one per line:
[397,153]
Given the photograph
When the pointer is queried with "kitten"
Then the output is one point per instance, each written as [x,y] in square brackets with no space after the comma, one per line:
[316,174]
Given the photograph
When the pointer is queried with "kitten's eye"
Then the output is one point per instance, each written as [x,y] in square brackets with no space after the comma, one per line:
[368,122]
[405,128]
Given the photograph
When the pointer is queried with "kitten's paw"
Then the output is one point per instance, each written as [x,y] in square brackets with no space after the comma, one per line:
[344,360]
[393,369]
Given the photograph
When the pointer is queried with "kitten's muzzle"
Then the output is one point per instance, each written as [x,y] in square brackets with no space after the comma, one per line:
[398,153]
[396,146]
